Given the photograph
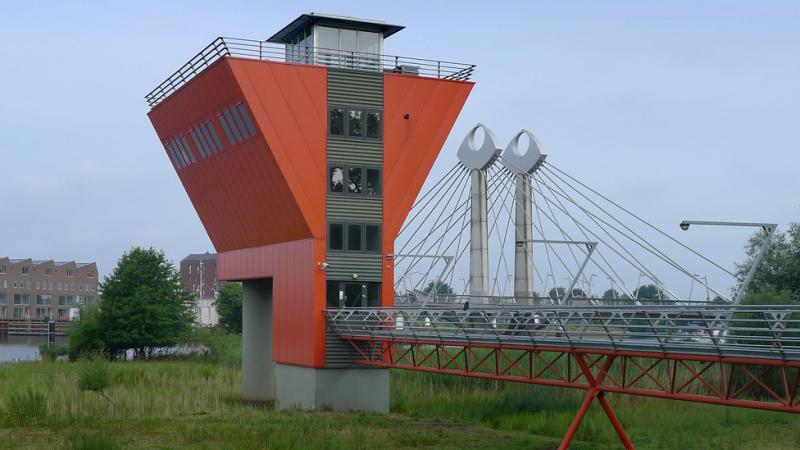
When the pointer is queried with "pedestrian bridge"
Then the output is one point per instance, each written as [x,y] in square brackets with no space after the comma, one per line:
[733,355]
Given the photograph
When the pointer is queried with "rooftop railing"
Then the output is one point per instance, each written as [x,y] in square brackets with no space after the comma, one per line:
[248,48]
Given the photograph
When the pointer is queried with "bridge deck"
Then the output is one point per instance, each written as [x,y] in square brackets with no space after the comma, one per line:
[764,332]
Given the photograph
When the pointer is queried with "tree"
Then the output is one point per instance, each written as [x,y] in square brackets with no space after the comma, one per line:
[780,267]
[86,334]
[229,307]
[442,288]
[556,293]
[651,292]
[145,304]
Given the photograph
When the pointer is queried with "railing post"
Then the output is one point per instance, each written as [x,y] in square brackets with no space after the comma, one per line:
[438,69]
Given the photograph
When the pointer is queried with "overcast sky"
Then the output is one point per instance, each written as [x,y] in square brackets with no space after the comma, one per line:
[675,109]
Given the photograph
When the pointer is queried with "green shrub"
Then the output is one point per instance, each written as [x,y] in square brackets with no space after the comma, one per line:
[94,375]
[85,334]
[51,352]
[224,349]
[27,407]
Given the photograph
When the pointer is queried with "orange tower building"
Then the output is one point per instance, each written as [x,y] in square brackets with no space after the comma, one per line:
[302,156]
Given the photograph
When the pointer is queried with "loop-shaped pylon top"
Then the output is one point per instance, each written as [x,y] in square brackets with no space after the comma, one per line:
[522,161]
[478,158]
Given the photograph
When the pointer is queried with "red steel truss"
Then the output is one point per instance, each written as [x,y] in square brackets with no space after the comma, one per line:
[749,382]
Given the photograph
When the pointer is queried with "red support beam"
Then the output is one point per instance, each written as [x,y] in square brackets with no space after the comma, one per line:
[740,382]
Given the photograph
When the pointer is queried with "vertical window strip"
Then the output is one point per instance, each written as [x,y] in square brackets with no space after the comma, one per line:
[197,143]
[172,156]
[207,144]
[184,161]
[213,133]
[239,122]
[232,125]
[185,147]
[211,144]
[225,128]
[246,116]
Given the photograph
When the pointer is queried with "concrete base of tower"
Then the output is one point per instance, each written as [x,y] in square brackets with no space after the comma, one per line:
[258,370]
[365,389]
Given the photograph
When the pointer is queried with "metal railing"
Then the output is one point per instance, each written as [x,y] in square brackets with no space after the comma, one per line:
[254,49]
[721,330]
[418,298]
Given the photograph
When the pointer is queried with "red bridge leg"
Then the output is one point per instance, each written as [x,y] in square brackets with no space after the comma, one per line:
[593,393]
[573,427]
[626,441]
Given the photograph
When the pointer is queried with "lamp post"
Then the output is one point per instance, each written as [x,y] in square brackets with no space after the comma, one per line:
[769,231]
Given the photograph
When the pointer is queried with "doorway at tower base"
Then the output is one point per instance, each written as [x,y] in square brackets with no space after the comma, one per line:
[364,389]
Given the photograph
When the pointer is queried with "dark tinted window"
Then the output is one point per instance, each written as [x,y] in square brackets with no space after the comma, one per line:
[373,182]
[373,238]
[232,125]
[239,123]
[333,294]
[373,294]
[198,145]
[354,295]
[337,122]
[354,180]
[224,122]
[247,121]
[336,236]
[355,123]
[373,124]
[336,178]
[353,237]
[213,133]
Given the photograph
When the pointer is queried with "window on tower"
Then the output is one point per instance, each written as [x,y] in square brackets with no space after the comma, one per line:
[355,123]
[354,237]
[354,180]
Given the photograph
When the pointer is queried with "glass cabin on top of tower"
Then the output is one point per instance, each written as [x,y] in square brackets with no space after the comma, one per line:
[336,41]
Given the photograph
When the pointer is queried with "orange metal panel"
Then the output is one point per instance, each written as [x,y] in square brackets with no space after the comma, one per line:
[298,294]
[289,102]
[410,146]
[270,188]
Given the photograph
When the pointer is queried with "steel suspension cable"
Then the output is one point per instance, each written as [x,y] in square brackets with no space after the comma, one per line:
[658,230]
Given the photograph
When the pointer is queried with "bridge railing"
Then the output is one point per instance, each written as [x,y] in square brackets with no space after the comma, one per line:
[727,331]
[417,298]
[319,56]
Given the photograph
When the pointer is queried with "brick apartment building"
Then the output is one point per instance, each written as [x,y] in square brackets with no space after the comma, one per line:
[45,290]
[199,274]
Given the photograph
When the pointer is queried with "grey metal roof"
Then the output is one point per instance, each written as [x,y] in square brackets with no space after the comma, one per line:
[377,26]
[201,257]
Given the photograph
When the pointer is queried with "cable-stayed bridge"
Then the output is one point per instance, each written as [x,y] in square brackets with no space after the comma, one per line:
[511,269]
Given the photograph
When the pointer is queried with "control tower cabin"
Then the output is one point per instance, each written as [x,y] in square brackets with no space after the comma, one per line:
[302,155]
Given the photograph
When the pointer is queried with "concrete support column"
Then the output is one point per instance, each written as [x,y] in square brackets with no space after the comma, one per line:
[479,238]
[339,389]
[258,370]
[523,234]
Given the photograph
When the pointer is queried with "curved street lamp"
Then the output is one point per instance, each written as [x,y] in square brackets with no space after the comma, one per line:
[769,230]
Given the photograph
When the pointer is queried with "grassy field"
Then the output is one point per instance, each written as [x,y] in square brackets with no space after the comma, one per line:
[194,404]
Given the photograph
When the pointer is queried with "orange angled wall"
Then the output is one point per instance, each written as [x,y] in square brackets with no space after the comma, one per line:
[289,102]
[410,147]
[268,189]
